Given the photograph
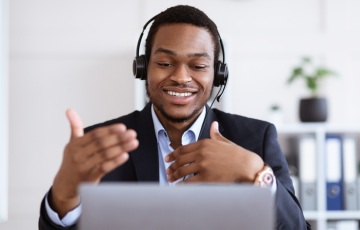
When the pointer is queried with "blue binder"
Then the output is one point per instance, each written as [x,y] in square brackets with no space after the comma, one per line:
[334,173]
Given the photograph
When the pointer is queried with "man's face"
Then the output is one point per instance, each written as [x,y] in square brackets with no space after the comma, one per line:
[180,71]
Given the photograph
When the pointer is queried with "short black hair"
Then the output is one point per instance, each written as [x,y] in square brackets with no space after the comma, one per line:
[183,14]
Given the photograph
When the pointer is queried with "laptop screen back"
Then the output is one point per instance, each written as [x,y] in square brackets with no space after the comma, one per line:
[150,206]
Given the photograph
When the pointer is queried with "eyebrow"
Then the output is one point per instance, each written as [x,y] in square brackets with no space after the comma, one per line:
[206,55]
[170,52]
[162,50]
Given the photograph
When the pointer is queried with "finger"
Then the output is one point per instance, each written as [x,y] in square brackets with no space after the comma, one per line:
[102,169]
[193,180]
[75,124]
[112,152]
[101,157]
[215,134]
[182,150]
[100,132]
[104,143]
[180,161]
[183,171]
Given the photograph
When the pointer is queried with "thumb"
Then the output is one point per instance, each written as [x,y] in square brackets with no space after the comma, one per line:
[215,134]
[75,123]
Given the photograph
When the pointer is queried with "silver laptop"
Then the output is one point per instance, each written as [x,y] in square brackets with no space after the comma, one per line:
[139,206]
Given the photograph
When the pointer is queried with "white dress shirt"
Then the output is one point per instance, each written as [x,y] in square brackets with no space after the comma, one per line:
[189,136]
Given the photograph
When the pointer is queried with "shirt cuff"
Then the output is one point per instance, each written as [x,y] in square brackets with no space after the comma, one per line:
[273,187]
[69,219]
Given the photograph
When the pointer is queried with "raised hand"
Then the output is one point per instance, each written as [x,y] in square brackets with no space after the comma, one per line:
[213,160]
[88,158]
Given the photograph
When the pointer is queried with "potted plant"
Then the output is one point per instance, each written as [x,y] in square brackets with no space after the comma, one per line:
[313,109]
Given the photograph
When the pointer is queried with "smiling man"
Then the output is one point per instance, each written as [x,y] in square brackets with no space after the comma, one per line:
[160,142]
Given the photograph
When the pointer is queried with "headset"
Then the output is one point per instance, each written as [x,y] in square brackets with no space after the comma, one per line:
[221,73]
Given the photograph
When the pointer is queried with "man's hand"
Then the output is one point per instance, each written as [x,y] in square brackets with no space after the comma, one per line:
[88,158]
[214,160]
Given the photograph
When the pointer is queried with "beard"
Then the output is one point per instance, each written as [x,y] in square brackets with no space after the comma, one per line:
[169,117]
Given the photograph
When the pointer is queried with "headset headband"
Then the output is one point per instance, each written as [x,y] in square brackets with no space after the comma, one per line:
[153,18]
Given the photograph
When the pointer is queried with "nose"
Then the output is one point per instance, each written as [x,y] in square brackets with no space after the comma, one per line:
[181,75]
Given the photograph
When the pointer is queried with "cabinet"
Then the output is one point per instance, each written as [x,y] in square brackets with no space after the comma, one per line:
[321,216]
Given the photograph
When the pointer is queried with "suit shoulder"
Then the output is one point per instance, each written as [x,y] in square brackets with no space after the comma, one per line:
[128,120]
[238,122]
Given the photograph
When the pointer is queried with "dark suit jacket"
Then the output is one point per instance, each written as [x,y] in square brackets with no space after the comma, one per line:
[257,136]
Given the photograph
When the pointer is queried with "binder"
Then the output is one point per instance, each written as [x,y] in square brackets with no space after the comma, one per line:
[307,172]
[293,164]
[350,173]
[334,180]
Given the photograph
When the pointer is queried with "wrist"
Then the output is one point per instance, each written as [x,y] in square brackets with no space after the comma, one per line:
[265,178]
[62,206]
[62,198]
[255,165]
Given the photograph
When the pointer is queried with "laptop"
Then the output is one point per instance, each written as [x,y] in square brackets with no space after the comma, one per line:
[124,206]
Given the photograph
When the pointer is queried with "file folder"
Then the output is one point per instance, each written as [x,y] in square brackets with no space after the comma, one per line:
[307,172]
[350,173]
[334,180]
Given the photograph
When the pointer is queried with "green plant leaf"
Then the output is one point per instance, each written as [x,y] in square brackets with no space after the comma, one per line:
[313,80]
[306,60]
[322,72]
[297,72]
[312,84]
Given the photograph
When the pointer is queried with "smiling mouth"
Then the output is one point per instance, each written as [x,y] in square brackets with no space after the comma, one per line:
[172,93]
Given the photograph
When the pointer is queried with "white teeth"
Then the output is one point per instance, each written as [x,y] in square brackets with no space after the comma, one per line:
[179,94]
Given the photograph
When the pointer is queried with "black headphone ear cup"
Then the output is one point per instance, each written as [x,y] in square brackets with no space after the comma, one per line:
[216,74]
[140,67]
[224,74]
[221,74]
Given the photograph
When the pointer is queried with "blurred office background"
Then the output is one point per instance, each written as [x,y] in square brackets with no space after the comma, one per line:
[78,54]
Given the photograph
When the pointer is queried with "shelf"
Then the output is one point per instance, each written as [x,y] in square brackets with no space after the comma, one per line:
[332,215]
[316,127]
[320,131]
[311,215]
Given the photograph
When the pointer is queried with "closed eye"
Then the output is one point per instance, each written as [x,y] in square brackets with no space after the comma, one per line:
[199,67]
[164,64]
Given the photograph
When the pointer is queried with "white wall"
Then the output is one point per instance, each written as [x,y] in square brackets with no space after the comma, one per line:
[63,54]
[79,54]
[4,109]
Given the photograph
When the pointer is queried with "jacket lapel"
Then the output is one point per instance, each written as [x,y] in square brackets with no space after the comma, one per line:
[145,157]
[211,117]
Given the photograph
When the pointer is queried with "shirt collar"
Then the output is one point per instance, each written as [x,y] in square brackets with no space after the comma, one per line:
[196,126]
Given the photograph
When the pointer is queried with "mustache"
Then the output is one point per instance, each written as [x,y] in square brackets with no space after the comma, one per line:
[185,85]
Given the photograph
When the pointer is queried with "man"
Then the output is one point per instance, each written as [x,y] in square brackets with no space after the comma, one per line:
[160,142]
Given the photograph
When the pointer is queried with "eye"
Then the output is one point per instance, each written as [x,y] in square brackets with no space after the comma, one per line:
[164,65]
[199,67]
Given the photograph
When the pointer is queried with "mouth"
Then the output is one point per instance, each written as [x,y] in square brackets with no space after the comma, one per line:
[180,96]
[176,94]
